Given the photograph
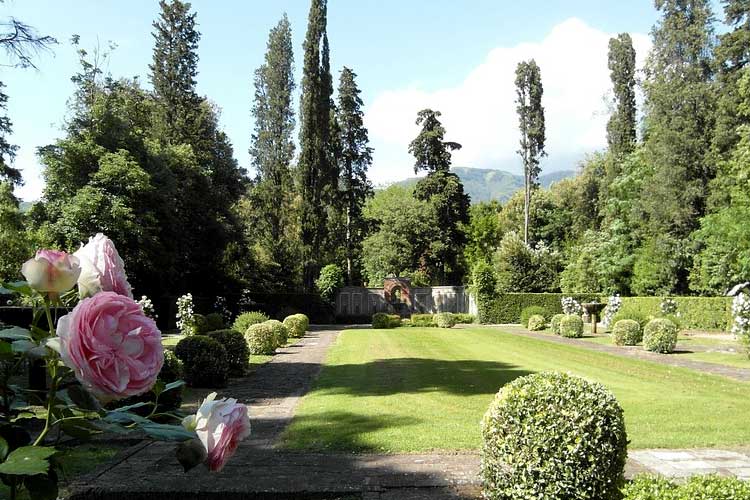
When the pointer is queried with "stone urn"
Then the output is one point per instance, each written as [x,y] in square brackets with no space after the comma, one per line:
[593,309]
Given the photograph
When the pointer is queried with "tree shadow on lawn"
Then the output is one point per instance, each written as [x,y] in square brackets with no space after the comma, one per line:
[384,377]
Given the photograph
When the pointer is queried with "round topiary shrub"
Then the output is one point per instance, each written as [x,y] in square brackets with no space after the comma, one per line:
[214,322]
[571,326]
[553,436]
[537,323]
[261,338]
[554,323]
[297,324]
[204,361]
[660,335]
[445,320]
[627,332]
[423,320]
[380,320]
[279,330]
[530,311]
[394,321]
[238,355]
[244,320]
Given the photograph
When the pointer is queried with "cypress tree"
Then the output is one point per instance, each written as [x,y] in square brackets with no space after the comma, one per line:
[531,124]
[621,125]
[272,146]
[355,160]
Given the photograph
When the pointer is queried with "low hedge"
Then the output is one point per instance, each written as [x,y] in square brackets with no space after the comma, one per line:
[571,326]
[464,318]
[627,332]
[423,320]
[383,320]
[445,320]
[530,311]
[507,307]
[553,436]
[712,487]
[537,323]
[238,355]
[204,360]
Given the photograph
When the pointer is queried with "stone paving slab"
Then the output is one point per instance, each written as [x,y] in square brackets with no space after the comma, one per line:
[685,463]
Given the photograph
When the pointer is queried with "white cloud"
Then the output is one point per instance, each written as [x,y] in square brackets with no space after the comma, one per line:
[480,112]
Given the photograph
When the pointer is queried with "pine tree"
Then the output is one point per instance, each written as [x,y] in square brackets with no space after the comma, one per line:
[7,150]
[355,160]
[430,151]
[531,124]
[174,69]
[621,125]
[272,148]
[314,166]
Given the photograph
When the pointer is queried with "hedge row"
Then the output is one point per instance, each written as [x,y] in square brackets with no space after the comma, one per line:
[704,313]
[507,307]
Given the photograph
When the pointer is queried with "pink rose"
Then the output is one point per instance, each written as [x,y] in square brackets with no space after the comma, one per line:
[102,268]
[221,424]
[51,271]
[112,346]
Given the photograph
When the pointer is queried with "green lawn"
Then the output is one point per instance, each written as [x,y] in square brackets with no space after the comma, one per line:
[416,389]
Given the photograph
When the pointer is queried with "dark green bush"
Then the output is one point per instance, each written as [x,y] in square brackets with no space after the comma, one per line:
[279,330]
[296,324]
[660,335]
[261,338]
[199,322]
[532,311]
[571,326]
[244,320]
[238,355]
[383,320]
[627,332]
[394,320]
[464,318]
[204,361]
[445,320]
[554,323]
[703,313]
[422,320]
[214,322]
[553,436]
[537,323]
[507,307]
[711,487]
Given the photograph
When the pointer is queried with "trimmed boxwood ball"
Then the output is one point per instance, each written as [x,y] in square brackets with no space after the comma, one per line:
[297,324]
[530,311]
[423,320]
[279,330]
[383,320]
[537,323]
[553,436]
[571,326]
[204,360]
[627,332]
[660,335]
[261,338]
[445,320]
[244,320]
[554,323]
[214,322]
[238,355]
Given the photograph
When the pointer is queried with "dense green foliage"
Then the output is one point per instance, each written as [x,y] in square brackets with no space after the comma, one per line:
[660,335]
[530,311]
[280,331]
[507,307]
[261,338]
[621,124]
[328,283]
[205,361]
[296,324]
[384,320]
[554,323]
[553,436]
[445,320]
[238,355]
[536,323]
[244,320]
[627,332]
[571,326]
[646,487]
[707,313]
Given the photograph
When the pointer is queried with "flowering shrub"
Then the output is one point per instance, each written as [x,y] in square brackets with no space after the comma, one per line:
[741,318]
[613,305]
[185,315]
[148,307]
[571,306]
[668,307]
[220,307]
[106,351]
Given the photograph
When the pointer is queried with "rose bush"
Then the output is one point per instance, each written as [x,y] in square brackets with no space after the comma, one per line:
[113,348]
[102,269]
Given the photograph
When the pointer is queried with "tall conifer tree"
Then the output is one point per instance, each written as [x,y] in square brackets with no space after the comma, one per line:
[355,160]
[531,124]
[621,125]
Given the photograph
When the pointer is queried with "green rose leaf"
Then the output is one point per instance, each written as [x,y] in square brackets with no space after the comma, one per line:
[23,346]
[173,385]
[15,333]
[190,453]
[18,287]
[158,387]
[6,351]
[127,408]
[83,398]
[165,432]
[27,461]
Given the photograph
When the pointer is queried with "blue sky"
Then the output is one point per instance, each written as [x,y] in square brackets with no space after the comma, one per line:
[454,56]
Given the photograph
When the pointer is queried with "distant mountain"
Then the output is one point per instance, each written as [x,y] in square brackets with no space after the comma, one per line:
[484,184]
